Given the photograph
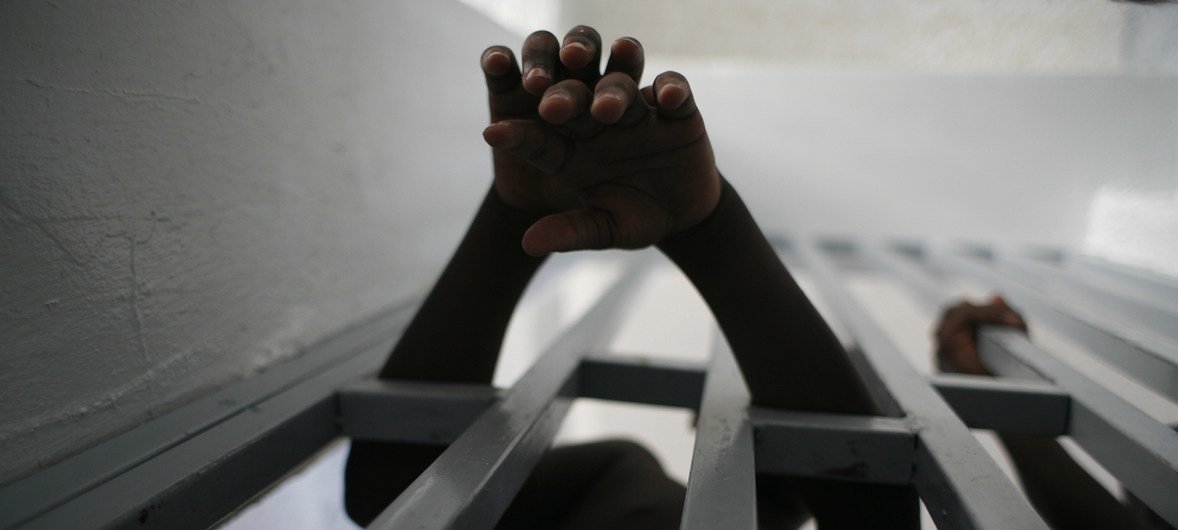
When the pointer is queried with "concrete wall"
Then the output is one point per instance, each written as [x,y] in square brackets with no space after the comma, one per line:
[927,36]
[191,191]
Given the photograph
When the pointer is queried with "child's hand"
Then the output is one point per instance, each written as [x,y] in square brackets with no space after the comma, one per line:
[612,165]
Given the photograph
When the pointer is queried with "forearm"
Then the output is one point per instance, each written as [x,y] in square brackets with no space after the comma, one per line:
[457,332]
[1062,491]
[789,356]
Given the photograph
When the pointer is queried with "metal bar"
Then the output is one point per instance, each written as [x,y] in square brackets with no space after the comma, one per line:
[1120,278]
[84,478]
[876,387]
[642,380]
[1140,451]
[957,479]
[411,411]
[721,487]
[1006,405]
[438,413]
[195,483]
[1141,356]
[835,446]
[932,294]
[1126,311]
[472,483]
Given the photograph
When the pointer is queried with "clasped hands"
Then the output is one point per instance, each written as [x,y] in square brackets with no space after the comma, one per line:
[600,161]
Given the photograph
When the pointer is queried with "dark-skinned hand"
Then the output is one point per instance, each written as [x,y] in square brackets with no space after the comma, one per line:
[607,164]
[956,334]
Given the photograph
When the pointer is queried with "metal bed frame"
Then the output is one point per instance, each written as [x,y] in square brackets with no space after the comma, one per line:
[192,467]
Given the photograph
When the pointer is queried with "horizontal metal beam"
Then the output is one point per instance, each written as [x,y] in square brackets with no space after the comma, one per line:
[473,481]
[642,380]
[1006,405]
[411,411]
[956,478]
[834,446]
[721,488]
[166,473]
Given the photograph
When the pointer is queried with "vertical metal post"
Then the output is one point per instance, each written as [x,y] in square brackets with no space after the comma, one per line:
[721,491]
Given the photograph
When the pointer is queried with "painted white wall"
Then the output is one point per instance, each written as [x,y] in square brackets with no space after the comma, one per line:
[1028,37]
[191,191]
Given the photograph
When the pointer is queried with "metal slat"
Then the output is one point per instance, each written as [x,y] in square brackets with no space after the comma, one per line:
[1120,278]
[957,479]
[1006,405]
[411,411]
[472,483]
[83,479]
[195,483]
[932,294]
[1140,451]
[635,379]
[1130,313]
[833,446]
[721,488]
[1145,358]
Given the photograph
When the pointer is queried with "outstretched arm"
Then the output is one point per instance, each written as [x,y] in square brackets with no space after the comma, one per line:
[457,333]
[788,355]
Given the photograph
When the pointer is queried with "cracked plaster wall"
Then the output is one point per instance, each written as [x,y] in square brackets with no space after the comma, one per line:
[191,191]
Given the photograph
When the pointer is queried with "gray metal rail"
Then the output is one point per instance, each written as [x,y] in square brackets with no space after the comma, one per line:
[962,486]
[192,467]
[478,475]
[721,490]
[1141,355]
[1140,451]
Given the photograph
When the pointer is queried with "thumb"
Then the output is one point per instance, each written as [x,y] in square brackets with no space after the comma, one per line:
[581,229]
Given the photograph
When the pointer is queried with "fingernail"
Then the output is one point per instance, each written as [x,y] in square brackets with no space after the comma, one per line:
[607,113]
[538,73]
[555,107]
[496,62]
[625,40]
[672,97]
[556,94]
[503,136]
[575,60]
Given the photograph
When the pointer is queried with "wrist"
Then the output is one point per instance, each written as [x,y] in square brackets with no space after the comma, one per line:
[724,210]
[509,210]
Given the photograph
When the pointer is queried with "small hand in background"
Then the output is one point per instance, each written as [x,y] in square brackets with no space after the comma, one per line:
[956,334]
[608,164]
